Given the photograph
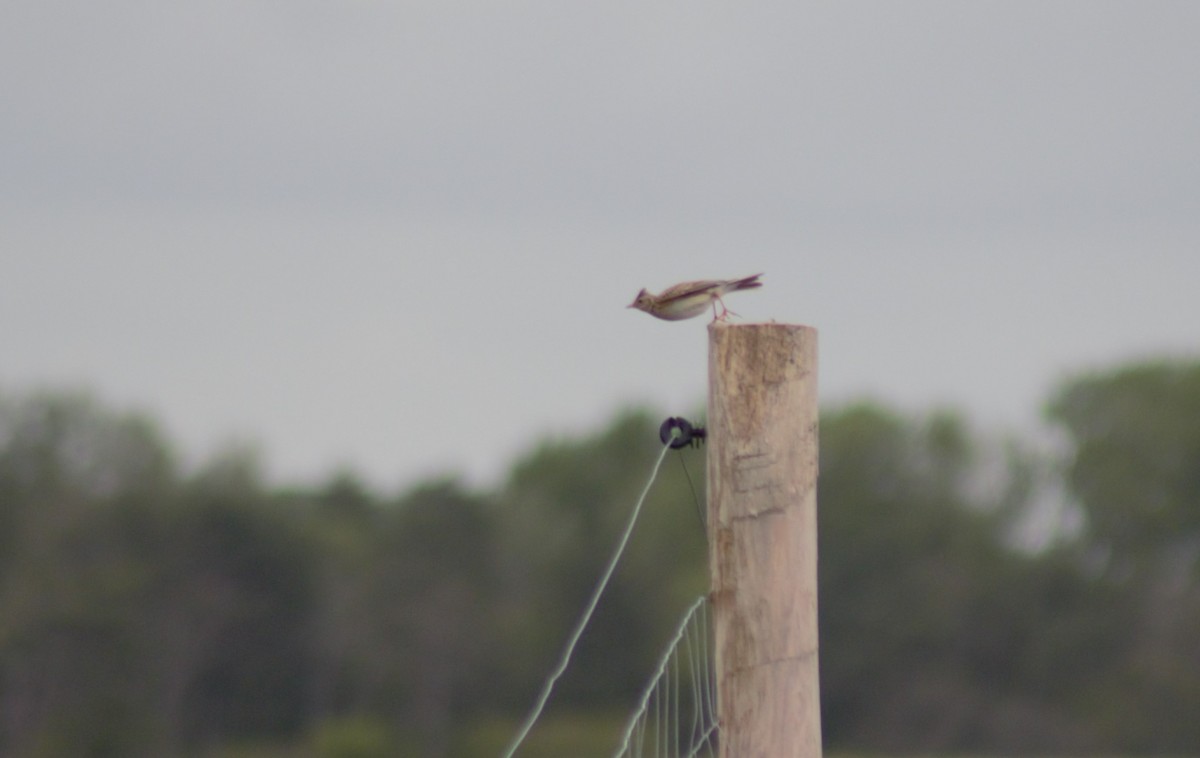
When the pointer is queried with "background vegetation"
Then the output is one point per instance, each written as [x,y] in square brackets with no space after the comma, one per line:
[147,610]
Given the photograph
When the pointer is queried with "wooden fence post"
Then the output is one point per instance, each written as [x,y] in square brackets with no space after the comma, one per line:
[762,517]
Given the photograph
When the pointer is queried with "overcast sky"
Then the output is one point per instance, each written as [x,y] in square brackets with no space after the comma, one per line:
[400,237]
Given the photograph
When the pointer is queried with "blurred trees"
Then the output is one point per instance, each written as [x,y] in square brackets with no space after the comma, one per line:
[938,635]
[1135,473]
[145,610]
[139,613]
[1135,468]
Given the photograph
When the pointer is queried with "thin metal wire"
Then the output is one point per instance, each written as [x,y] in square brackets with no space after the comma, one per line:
[693,631]
[587,615]
[695,498]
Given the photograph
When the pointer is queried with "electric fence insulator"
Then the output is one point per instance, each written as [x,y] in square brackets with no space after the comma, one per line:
[679,433]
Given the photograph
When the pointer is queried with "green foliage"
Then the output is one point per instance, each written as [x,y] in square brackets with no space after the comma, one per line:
[923,607]
[354,737]
[145,611]
[1135,464]
[591,734]
[1135,469]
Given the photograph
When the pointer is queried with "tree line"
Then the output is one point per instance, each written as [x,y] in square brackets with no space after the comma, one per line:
[977,593]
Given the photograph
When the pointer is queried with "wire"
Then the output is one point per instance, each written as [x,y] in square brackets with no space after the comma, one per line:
[695,498]
[587,614]
[664,661]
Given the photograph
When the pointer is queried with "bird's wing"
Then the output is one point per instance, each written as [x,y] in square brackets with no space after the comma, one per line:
[684,289]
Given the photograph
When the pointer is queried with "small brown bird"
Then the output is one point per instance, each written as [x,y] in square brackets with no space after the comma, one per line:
[690,299]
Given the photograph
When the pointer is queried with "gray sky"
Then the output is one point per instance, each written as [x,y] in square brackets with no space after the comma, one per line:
[400,237]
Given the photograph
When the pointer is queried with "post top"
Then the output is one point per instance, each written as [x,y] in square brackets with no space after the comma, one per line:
[716,325]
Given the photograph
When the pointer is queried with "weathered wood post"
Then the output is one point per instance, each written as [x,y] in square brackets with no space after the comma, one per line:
[762,516]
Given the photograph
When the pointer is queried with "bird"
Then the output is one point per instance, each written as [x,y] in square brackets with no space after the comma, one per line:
[690,299]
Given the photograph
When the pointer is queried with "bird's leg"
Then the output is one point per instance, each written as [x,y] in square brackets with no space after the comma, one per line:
[725,312]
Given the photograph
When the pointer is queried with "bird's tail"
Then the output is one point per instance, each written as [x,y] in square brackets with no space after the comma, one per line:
[749,283]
